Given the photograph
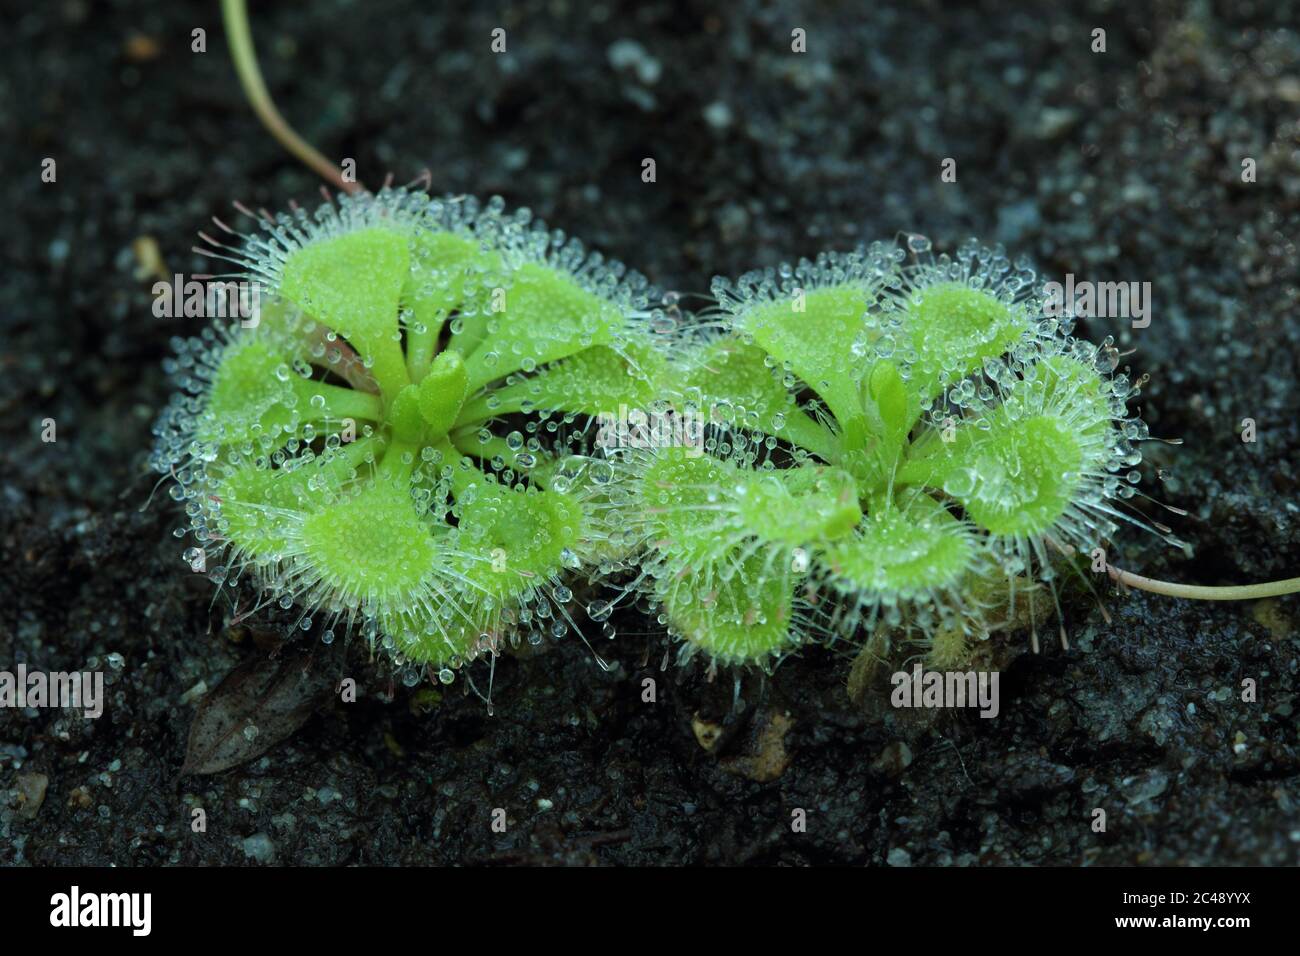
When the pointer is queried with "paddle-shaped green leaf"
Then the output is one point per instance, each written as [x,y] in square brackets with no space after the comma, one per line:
[256,394]
[738,611]
[1019,476]
[797,506]
[544,316]
[954,328]
[596,380]
[372,550]
[901,550]
[353,283]
[448,273]
[730,382]
[510,540]
[821,335]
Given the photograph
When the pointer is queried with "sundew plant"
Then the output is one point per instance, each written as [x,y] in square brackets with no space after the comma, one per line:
[399,442]
[905,442]
[377,447]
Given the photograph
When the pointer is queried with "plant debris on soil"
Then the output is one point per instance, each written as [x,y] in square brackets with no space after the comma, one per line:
[1121,166]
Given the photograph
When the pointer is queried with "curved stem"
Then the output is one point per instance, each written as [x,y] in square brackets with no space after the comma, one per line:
[1197,592]
[235,15]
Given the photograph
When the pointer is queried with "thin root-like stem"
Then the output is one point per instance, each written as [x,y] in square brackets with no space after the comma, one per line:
[1197,592]
[235,15]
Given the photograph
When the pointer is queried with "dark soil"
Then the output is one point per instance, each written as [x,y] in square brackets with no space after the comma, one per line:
[1124,165]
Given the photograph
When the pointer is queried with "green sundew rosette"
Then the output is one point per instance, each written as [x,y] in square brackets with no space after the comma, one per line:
[360,541]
